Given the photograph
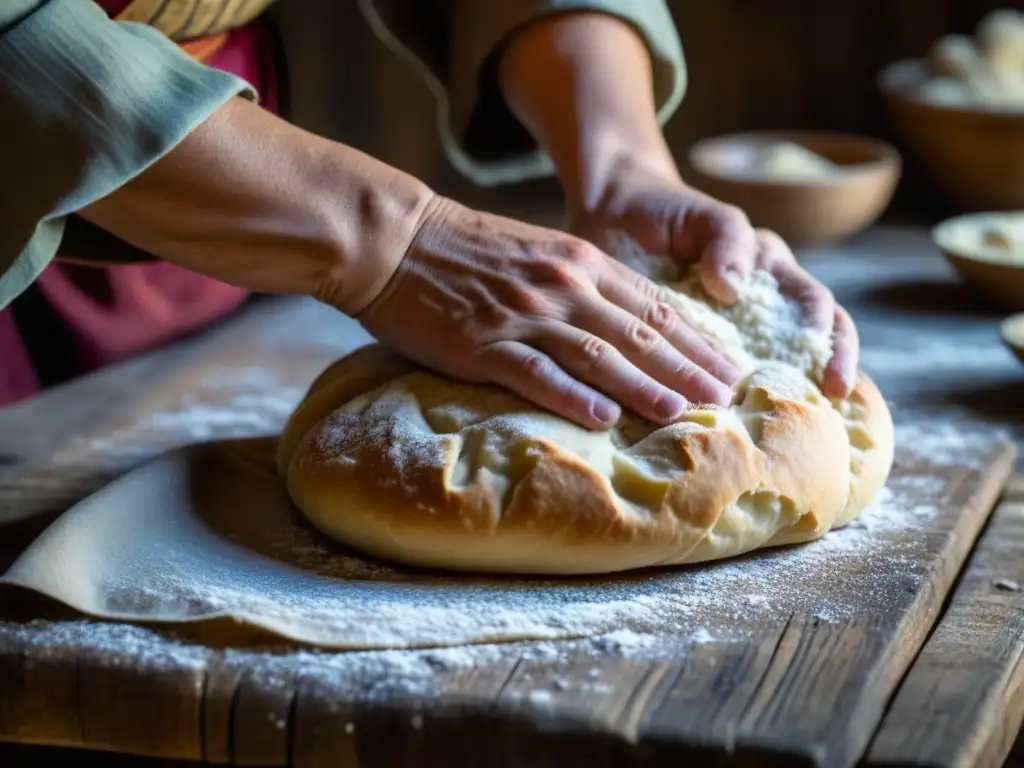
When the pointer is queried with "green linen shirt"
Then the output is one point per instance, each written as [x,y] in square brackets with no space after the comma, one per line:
[87,103]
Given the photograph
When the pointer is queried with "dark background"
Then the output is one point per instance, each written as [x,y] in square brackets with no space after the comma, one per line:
[753,64]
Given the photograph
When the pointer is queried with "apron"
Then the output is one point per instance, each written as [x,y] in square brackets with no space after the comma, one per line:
[77,318]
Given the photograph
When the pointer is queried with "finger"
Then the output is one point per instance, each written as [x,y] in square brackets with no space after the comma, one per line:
[536,377]
[641,299]
[727,248]
[597,362]
[841,373]
[819,306]
[817,302]
[647,350]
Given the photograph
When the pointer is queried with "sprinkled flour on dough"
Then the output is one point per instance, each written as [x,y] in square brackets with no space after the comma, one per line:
[763,324]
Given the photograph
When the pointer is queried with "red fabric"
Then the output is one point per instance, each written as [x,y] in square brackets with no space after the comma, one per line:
[113,7]
[17,378]
[120,311]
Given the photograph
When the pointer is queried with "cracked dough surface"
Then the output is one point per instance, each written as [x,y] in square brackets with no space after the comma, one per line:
[410,466]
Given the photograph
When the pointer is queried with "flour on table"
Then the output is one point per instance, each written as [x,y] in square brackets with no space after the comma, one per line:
[948,443]
[228,402]
[857,569]
[349,601]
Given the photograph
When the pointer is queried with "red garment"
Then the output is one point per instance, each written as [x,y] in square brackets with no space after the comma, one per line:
[116,312]
[113,7]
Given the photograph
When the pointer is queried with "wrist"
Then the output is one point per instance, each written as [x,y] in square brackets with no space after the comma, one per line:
[253,201]
[582,84]
[384,211]
[608,157]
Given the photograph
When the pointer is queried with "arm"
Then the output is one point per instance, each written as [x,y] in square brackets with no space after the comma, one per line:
[155,150]
[458,52]
[87,105]
[582,83]
[255,201]
[251,200]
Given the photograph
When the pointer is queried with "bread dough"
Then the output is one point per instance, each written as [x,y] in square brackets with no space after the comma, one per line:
[779,161]
[408,465]
[788,161]
[984,71]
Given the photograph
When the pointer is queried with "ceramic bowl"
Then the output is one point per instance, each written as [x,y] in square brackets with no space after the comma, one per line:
[806,212]
[1012,331]
[997,277]
[974,155]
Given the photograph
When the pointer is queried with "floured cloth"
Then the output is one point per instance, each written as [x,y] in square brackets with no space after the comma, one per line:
[207,532]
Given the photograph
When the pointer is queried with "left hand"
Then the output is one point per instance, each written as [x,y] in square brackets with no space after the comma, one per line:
[657,209]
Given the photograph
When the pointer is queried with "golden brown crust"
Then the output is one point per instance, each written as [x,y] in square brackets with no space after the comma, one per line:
[809,458]
[378,458]
[872,437]
[364,369]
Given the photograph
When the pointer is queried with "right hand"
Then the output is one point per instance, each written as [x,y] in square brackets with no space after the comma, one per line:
[482,298]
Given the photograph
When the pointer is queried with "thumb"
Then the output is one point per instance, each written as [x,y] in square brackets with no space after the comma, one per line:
[722,240]
[724,265]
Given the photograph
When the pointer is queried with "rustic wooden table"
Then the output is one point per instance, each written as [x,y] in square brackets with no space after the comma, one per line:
[931,675]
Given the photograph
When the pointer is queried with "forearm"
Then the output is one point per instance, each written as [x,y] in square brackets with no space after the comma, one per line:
[582,84]
[87,104]
[251,200]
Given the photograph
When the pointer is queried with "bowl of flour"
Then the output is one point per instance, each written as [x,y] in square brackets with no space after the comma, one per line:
[812,188]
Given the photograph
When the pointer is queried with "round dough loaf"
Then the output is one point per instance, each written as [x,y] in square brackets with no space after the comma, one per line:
[410,466]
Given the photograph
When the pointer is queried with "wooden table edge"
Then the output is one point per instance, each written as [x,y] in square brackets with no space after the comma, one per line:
[984,619]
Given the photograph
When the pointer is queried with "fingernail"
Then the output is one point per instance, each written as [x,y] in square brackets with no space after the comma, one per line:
[669,407]
[734,280]
[725,397]
[732,373]
[605,412]
[849,381]
[841,385]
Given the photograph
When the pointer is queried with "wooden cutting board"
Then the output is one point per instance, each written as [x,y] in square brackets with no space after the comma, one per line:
[784,687]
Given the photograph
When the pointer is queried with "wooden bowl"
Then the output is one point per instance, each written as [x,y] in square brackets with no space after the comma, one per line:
[974,155]
[1000,281]
[1012,331]
[805,213]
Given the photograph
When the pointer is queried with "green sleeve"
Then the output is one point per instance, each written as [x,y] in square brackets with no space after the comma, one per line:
[452,44]
[88,104]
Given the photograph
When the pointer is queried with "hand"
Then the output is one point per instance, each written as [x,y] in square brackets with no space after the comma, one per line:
[252,200]
[664,216]
[487,299]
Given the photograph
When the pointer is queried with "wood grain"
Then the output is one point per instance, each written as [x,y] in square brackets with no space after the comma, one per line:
[806,691]
[962,703]
[121,695]
[260,717]
[697,712]
[41,693]
[218,697]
